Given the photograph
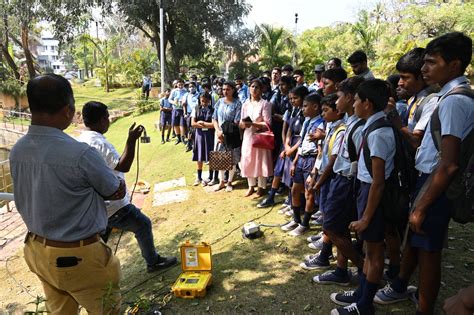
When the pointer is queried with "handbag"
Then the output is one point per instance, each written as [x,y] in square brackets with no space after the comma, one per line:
[264,139]
[220,160]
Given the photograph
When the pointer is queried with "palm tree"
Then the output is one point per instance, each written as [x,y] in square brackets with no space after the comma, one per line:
[275,45]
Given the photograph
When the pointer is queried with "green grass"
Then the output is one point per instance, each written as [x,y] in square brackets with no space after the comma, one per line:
[122,98]
[260,276]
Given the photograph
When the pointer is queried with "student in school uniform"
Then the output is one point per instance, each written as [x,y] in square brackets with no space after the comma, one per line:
[298,76]
[291,139]
[201,116]
[445,61]
[242,88]
[275,77]
[370,102]
[339,209]
[176,99]
[303,164]
[165,116]
[331,145]
[227,113]
[280,105]
[190,101]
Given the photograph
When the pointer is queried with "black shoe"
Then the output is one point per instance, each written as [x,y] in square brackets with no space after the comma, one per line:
[188,148]
[177,142]
[167,139]
[280,190]
[267,202]
[163,263]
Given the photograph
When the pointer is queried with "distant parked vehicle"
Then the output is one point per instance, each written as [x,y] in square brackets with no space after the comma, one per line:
[69,75]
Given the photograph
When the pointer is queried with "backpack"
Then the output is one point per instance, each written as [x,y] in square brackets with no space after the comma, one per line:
[332,139]
[351,148]
[401,182]
[461,189]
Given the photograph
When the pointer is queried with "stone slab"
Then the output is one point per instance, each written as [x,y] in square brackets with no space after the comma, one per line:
[168,197]
[174,183]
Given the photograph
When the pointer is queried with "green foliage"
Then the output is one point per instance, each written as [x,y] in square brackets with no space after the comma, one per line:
[144,106]
[275,46]
[11,87]
[38,309]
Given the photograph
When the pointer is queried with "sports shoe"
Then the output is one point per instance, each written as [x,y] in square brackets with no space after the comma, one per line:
[229,188]
[300,230]
[162,141]
[314,238]
[280,190]
[344,298]
[353,309]
[315,264]
[388,295]
[289,212]
[267,202]
[309,257]
[289,226]
[163,263]
[316,215]
[213,182]
[331,278]
[197,182]
[318,221]
[316,245]
[284,209]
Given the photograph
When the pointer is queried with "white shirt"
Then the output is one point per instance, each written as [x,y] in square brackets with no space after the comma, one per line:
[111,158]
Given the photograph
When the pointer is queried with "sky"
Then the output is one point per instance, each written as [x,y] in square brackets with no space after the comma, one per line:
[311,13]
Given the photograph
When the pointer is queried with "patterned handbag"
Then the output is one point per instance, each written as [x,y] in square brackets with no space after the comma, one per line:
[264,139]
[220,160]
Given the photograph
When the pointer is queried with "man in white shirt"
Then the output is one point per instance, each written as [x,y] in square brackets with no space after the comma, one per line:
[122,213]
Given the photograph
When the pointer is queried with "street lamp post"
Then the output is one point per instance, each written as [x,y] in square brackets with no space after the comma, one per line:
[295,61]
[162,47]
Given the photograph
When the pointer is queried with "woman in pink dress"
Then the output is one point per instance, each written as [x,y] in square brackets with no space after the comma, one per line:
[255,163]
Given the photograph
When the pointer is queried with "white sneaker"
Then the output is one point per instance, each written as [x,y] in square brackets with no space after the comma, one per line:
[300,230]
[197,182]
[316,215]
[314,238]
[289,212]
[316,245]
[284,209]
[289,226]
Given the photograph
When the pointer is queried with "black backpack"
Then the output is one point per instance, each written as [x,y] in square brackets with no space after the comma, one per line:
[402,180]
[461,189]
[351,148]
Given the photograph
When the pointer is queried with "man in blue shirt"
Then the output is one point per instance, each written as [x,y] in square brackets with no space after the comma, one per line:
[242,88]
[60,185]
[445,61]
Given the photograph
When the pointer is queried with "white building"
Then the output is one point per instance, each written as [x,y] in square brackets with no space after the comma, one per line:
[48,54]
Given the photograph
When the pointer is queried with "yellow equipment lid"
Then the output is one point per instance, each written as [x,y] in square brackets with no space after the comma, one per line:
[196,257]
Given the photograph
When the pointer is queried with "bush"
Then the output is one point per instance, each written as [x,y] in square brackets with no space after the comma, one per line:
[12,87]
[144,106]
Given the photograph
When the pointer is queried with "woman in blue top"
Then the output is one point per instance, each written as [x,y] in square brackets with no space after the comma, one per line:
[227,114]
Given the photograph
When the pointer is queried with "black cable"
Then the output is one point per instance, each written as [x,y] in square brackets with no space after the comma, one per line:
[133,191]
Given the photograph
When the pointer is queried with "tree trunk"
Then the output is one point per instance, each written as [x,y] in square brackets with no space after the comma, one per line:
[10,61]
[4,49]
[26,50]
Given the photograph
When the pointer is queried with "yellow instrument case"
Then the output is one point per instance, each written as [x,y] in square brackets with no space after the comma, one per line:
[196,263]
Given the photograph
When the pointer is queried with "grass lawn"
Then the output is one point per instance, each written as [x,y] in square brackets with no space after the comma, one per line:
[122,98]
[259,276]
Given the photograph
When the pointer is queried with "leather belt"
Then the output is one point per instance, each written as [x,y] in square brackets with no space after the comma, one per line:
[87,241]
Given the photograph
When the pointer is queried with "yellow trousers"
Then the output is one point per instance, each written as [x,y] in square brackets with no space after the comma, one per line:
[93,283]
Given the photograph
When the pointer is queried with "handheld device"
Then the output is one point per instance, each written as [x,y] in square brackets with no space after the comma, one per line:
[145,138]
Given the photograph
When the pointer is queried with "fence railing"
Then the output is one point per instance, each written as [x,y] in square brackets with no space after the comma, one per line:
[6,185]
[15,120]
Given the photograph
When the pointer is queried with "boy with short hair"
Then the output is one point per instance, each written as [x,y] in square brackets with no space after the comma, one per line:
[445,60]
[370,102]
[339,209]
[176,99]
[331,146]
[303,164]
[165,116]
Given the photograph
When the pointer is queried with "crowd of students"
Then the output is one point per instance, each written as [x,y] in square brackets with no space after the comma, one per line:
[337,153]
